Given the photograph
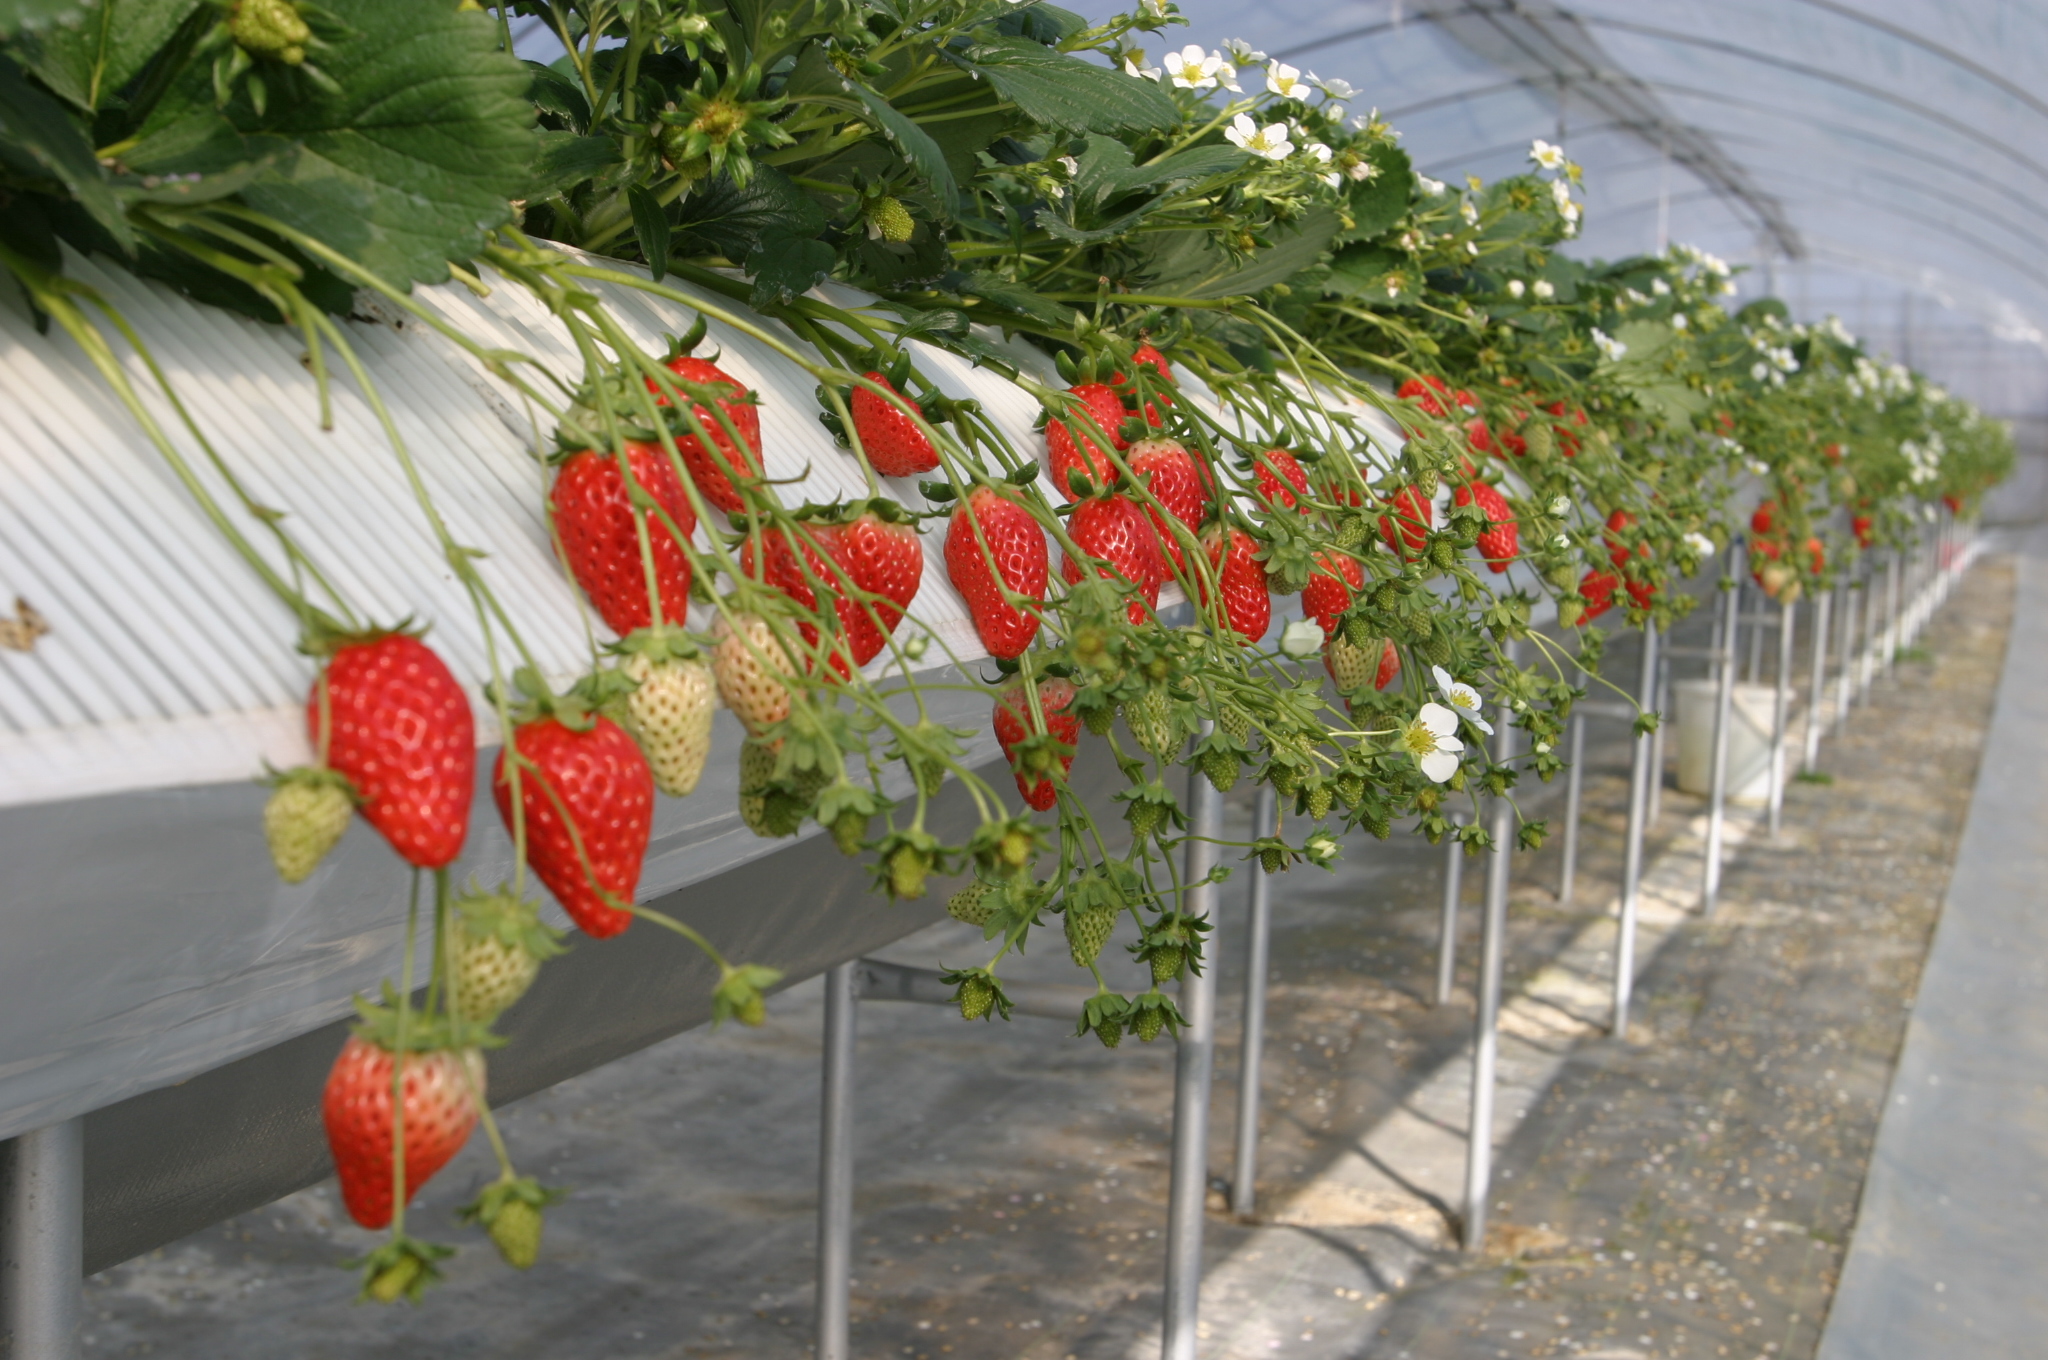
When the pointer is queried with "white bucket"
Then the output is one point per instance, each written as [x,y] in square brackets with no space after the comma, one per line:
[1749,739]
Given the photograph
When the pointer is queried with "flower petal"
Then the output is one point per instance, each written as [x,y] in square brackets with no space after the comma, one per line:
[1440,721]
[1439,765]
[1443,678]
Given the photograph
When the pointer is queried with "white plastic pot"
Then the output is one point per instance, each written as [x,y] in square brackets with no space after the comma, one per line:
[1749,739]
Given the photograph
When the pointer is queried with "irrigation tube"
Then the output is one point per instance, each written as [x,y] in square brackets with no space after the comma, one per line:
[1710,883]
[1639,780]
[1486,1032]
[1258,935]
[1447,931]
[1193,1067]
[42,1242]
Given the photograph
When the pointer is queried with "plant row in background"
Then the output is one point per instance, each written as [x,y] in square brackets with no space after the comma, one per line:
[1227,264]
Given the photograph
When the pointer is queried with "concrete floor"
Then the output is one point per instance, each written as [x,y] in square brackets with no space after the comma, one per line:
[1684,1193]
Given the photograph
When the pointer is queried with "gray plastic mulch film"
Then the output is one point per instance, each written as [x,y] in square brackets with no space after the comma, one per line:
[1880,160]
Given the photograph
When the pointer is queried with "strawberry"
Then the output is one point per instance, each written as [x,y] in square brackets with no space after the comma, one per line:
[1071,446]
[1282,483]
[1478,435]
[1833,453]
[793,561]
[1336,578]
[1113,533]
[497,944]
[1177,482]
[601,542]
[1861,526]
[894,444]
[1407,528]
[1147,354]
[1949,499]
[1816,556]
[1015,561]
[879,552]
[1760,518]
[400,731]
[1419,391]
[1499,542]
[1350,668]
[1241,582]
[1390,665]
[304,819]
[1088,928]
[1597,589]
[442,1089]
[1033,764]
[669,711]
[1567,442]
[1147,357]
[745,660]
[588,801]
[714,469]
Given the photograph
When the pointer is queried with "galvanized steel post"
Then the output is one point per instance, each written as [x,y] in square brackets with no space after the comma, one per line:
[835,1165]
[1486,1029]
[1781,714]
[1574,786]
[1193,1066]
[1447,930]
[1817,691]
[1724,700]
[42,1242]
[1258,935]
[1639,784]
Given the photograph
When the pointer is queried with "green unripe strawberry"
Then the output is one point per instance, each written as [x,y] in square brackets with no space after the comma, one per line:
[973,904]
[1350,789]
[976,997]
[270,28]
[1351,531]
[1099,718]
[1273,861]
[1087,931]
[1320,796]
[1359,634]
[890,220]
[1111,1032]
[1222,769]
[1150,717]
[908,867]
[497,944]
[1386,595]
[1378,824]
[516,1233]
[304,819]
[848,828]
[1234,721]
[1438,648]
[392,1282]
[1149,1022]
[1166,962]
[1443,554]
[1144,818]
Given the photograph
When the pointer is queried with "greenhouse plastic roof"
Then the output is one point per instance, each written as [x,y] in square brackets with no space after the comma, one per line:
[1882,160]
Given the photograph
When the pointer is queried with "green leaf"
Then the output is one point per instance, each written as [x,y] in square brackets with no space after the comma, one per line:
[1013,297]
[1195,269]
[961,140]
[732,221]
[566,159]
[1059,91]
[784,266]
[90,60]
[417,158]
[1107,174]
[18,16]
[650,227]
[1046,24]
[39,139]
[913,143]
[553,92]
[1380,202]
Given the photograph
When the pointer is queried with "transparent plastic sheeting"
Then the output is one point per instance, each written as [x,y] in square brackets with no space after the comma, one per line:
[144,936]
[1853,151]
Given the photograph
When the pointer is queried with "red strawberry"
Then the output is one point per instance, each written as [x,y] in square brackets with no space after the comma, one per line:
[1567,442]
[1418,391]
[1015,551]
[1336,578]
[1390,665]
[440,1110]
[1241,581]
[1953,502]
[1406,529]
[1147,354]
[1499,542]
[1833,452]
[600,779]
[1642,592]
[1597,589]
[1861,525]
[402,734]
[1120,542]
[894,444]
[792,560]
[1513,443]
[713,469]
[1281,480]
[1071,447]
[1465,399]
[1013,724]
[1760,518]
[1478,436]
[884,558]
[594,515]
[1177,481]
[1148,357]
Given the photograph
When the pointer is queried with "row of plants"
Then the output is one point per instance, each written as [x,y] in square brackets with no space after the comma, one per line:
[1228,267]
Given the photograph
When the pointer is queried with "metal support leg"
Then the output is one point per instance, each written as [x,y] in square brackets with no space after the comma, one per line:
[1447,933]
[1781,715]
[1663,706]
[1188,1187]
[1817,693]
[42,1242]
[1574,785]
[1891,613]
[1640,775]
[1486,1031]
[1724,700]
[835,1166]
[1257,939]
[1867,657]
[1845,682]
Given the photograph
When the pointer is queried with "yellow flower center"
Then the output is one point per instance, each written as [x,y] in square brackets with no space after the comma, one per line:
[1419,740]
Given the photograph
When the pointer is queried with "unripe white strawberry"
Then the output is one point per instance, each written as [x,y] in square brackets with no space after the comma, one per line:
[741,658]
[304,819]
[497,946]
[669,714]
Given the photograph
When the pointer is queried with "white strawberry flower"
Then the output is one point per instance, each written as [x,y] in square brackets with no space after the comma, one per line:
[1242,52]
[1301,638]
[1610,348]
[1516,288]
[1559,507]
[1463,698]
[1072,166]
[1469,210]
[1659,287]
[1339,90]
[1679,321]
[1430,187]
[1191,68]
[1546,156]
[1269,141]
[1700,544]
[1285,81]
[1134,65]
[1431,741]
[1544,289]
[1362,170]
